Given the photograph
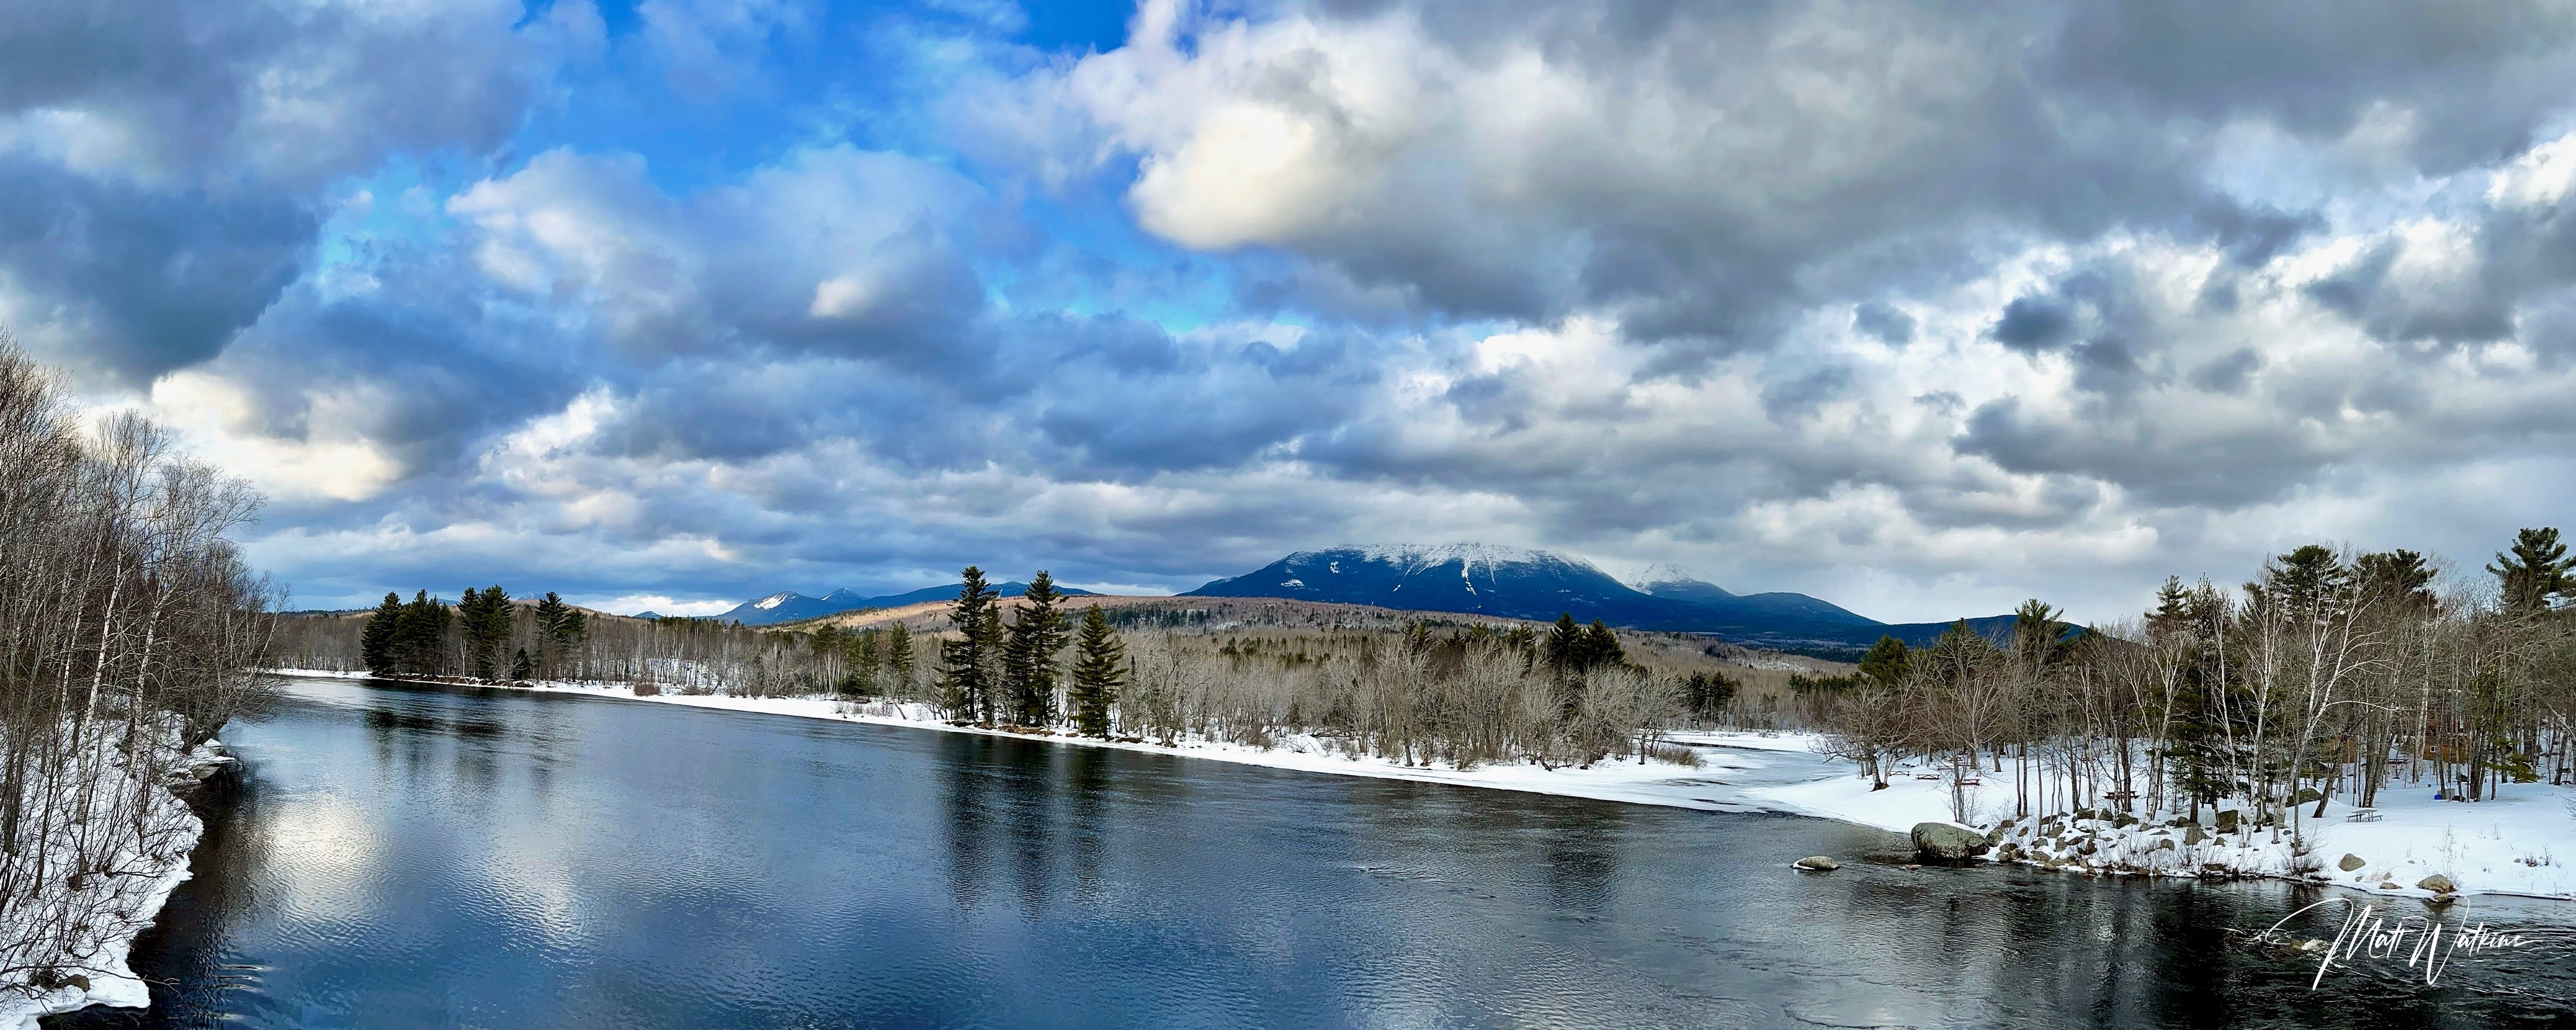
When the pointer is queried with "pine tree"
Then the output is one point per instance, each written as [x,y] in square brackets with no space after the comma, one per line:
[968,664]
[560,628]
[376,642]
[485,617]
[1097,674]
[2398,579]
[1601,648]
[1029,667]
[1887,661]
[2534,572]
[420,636]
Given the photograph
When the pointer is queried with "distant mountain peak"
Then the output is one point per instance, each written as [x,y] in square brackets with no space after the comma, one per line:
[1416,557]
[1663,579]
[779,598]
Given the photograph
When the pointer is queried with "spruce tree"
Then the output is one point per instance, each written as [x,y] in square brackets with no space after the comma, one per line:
[968,664]
[1098,672]
[1029,663]
[376,642]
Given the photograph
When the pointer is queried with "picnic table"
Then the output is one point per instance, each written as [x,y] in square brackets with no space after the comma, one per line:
[2362,815]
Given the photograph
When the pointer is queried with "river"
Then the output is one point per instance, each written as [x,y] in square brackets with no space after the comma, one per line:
[410,856]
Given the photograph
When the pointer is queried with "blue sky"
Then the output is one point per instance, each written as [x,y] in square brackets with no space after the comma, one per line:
[1919,309]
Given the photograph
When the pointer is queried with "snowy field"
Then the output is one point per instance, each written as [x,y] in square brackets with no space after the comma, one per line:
[2523,843]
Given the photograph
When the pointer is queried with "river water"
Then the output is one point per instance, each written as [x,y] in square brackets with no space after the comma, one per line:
[407,856]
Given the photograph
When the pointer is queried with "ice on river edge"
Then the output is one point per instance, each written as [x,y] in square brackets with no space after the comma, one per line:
[2509,845]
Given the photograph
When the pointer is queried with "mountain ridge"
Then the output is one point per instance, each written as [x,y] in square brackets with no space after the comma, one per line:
[1526,583]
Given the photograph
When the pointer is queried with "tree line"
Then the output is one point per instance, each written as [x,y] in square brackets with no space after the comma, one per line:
[2327,676]
[130,631]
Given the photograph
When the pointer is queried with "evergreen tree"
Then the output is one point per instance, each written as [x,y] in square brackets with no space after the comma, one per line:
[968,664]
[1029,666]
[485,617]
[420,636]
[1601,648]
[1707,693]
[2400,579]
[1563,649]
[2534,572]
[1097,674]
[2038,639]
[899,656]
[860,650]
[376,642]
[560,628]
[522,667]
[1887,661]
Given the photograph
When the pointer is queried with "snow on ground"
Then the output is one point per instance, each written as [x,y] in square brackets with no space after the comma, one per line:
[2524,843]
[129,902]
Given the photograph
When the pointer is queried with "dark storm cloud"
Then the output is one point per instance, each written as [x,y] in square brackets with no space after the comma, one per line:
[147,280]
[162,191]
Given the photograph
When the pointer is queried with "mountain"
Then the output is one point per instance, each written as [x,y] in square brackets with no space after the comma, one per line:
[1520,583]
[1674,583]
[790,606]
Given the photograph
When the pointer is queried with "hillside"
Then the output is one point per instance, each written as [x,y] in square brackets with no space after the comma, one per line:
[1519,583]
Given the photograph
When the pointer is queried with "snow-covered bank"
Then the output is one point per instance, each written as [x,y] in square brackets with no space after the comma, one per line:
[2523,843]
[1729,762]
[114,908]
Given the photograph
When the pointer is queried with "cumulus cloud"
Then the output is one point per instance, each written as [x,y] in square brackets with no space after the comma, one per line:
[1917,308]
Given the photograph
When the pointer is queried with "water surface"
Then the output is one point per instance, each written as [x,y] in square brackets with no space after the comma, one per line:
[407,856]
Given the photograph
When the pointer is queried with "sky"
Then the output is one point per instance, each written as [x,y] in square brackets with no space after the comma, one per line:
[1919,308]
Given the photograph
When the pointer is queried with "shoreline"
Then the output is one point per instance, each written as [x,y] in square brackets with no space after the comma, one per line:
[1644,782]
[112,981]
[1781,773]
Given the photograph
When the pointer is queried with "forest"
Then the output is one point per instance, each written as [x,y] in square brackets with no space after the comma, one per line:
[130,632]
[1418,693]
[2329,675]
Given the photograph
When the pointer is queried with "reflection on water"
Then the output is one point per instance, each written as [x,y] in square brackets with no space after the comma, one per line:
[416,857]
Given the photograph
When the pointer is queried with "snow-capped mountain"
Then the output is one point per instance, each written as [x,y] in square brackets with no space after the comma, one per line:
[1522,583]
[790,606]
[1674,583]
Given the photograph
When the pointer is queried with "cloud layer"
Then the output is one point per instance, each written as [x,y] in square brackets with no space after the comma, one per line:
[1919,310]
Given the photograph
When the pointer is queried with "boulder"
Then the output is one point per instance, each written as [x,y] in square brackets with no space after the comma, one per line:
[2350,863]
[1996,835]
[2192,834]
[1948,842]
[2227,820]
[2309,796]
[2165,844]
[2437,883]
[1817,864]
